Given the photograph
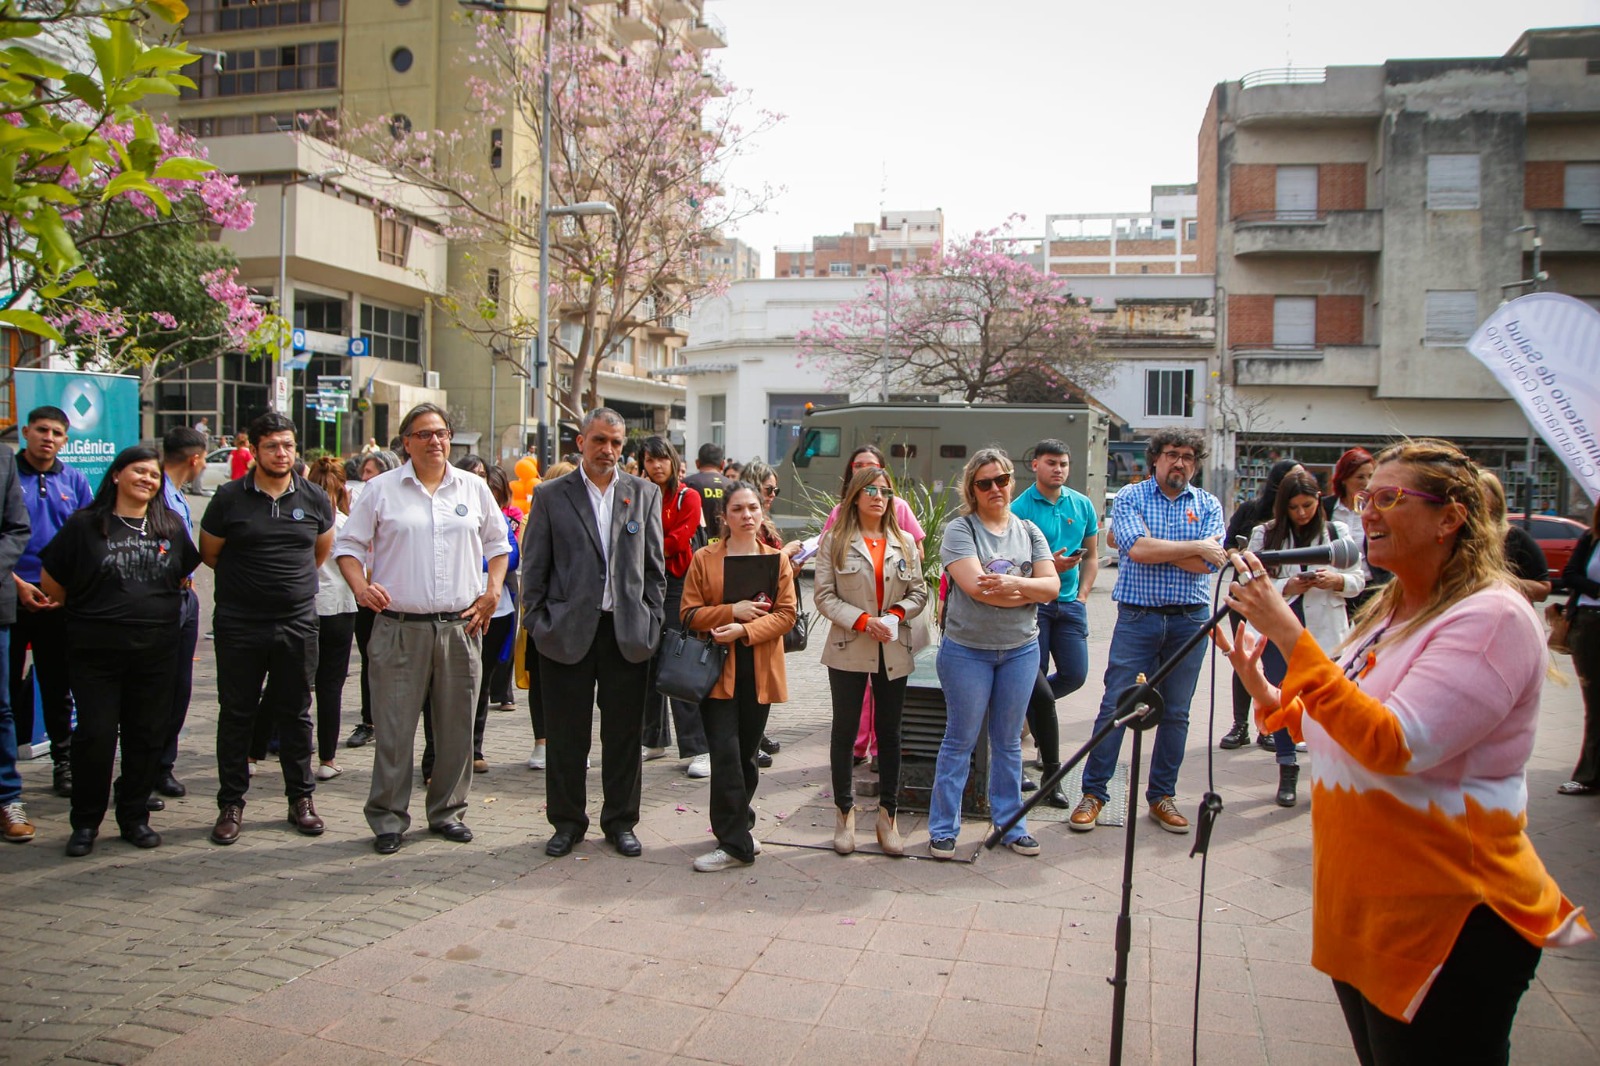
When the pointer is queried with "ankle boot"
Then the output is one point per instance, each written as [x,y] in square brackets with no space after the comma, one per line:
[889,834]
[1288,777]
[844,832]
[1058,795]
[1237,737]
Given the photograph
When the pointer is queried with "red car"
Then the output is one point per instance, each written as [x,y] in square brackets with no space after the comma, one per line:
[1557,536]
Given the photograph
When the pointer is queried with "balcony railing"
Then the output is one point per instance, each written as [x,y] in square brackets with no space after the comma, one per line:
[708,31]
[1294,232]
[1284,76]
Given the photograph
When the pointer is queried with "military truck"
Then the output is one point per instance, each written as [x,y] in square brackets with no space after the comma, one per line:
[928,444]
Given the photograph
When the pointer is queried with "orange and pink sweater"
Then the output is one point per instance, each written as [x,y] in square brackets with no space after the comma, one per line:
[1418,796]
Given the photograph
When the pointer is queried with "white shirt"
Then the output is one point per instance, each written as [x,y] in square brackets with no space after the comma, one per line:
[602,502]
[333,592]
[426,551]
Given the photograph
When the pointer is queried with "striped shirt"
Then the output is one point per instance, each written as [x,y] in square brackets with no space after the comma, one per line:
[1143,510]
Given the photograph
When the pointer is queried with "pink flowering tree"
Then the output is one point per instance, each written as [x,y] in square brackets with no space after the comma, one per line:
[652,136]
[975,322]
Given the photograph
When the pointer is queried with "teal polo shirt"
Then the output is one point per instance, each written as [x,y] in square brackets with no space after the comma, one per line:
[1065,524]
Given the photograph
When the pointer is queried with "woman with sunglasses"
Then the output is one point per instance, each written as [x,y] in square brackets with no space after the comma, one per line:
[869,585]
[118,568]
[1429,905]
[1000,571]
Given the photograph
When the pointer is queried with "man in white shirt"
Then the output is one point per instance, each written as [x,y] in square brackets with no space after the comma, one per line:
[427,528]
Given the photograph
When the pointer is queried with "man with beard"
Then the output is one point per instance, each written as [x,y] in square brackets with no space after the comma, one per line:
[1169,539]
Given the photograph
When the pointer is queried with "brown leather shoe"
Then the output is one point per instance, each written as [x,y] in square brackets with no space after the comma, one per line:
[303,816]
[1165,812]
[14,825]
[226,831]
[1084,815]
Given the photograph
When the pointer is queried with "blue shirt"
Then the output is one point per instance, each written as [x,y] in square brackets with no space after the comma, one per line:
[50,496]
[1065,524]
[177,504]
[1141,510]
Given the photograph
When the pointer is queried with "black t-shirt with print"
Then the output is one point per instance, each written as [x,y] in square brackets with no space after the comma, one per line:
[711,486]
[126,579]
[268,566]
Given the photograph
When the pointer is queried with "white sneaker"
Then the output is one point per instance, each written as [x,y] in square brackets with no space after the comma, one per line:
[713,861]
[327,772]
[536,760]
[755,846]
[648,754]
[699,766]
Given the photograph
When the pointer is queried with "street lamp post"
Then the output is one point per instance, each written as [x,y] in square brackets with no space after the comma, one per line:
[1533,443]
[284,307]
[537,360]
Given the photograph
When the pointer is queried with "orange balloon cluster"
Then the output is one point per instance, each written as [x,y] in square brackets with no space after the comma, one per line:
[527,471]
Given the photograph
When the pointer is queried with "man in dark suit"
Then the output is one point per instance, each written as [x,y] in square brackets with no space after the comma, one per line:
[593,583]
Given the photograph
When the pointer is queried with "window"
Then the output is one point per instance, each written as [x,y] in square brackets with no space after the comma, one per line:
[401,59]
[1191,231]
[1450,316]
[1168,393]
[838,270]
[1294,322]
[1296,194]
[491,285]
[818,444]
[952,451]
[1453,182]
[394,240]
[317,122]
[1583,187]
[496,145]
[716,408]
[399,125]
[226,16]
[392,333]
[256,72]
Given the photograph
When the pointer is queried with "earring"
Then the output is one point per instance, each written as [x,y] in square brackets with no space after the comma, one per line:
[1439,539]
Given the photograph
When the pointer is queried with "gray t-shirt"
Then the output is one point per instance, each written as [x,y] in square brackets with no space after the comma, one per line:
[980,625]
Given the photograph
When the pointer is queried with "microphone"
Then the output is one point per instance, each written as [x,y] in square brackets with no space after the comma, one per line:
[1342,553]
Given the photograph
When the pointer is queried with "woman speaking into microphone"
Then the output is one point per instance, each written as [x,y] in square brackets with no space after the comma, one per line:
[1430,908]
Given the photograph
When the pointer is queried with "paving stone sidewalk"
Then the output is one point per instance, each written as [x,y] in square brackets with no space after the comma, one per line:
[307,950]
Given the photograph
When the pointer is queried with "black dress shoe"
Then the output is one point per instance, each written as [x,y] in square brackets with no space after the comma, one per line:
[770,746]
[386,843]
[455,832]
[1029,784]
[171,786]
[81,842]
[763,760]
[141,836]
[155,803]
[626,843]
[560,843]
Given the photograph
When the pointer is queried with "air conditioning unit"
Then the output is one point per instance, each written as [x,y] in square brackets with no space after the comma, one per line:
[430,379]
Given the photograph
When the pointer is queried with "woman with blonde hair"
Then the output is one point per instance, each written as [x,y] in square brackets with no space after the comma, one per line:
[1530,571]
[869,585]
[1430,907]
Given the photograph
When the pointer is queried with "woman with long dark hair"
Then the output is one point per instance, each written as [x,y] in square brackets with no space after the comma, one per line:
[336,624]
[1582,576]
[373,464]
[1316,595]
[118,566]
[681,529]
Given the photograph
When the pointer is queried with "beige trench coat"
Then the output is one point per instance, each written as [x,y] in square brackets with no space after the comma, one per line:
[842,595]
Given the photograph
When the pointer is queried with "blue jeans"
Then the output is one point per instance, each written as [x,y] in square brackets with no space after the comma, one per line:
[1142,641]
[979,684]
[10,780]
[1064,637]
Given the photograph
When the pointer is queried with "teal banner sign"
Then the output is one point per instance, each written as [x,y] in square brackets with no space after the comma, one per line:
[102,411]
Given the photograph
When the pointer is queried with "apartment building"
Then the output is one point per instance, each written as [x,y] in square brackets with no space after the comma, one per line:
[274,66]
[895,240]
[1363,220]
[731,259]
[1161,240]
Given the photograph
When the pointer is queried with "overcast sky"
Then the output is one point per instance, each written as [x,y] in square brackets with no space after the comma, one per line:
[992,107]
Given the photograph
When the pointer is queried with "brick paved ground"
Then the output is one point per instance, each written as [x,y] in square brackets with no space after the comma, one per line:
[309,950]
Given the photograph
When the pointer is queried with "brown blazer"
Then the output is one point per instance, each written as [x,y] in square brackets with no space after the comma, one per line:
[702,588]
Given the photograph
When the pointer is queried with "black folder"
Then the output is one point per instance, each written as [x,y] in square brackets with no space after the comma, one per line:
[744,577]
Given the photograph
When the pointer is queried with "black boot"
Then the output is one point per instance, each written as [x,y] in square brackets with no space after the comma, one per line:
[1288,777]
[61,780]
[1058,795]
[1237,737]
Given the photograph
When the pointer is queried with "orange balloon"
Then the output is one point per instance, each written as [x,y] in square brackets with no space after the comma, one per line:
[527,468]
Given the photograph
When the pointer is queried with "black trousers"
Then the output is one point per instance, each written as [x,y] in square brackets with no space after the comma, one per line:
[494,638]
[334,633]
[265,669]
[848,688]
[364,619]
[1042,722]
[570,694]
[182,681]
[124,690]
[1585,643]
[46,632]
[734,729]
[535,691]
[1466,1018]
[657,723]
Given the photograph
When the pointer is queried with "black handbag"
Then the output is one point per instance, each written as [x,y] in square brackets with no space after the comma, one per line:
[687,666]
[795,639]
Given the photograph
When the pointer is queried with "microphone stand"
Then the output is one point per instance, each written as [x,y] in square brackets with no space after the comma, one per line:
[1139,708]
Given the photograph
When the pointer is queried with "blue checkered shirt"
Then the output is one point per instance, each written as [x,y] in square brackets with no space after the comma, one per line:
[1142,509]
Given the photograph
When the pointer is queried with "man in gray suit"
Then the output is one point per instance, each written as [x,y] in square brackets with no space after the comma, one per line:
[593,583]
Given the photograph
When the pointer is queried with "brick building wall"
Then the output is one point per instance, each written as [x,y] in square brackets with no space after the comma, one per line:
[1339,319]
[1544,185]
[1249,321]
[1206,193]
[1252,189]
[1342,187]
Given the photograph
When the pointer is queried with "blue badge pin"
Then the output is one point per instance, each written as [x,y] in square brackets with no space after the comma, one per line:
[297,514]
[632,526]
[461,509]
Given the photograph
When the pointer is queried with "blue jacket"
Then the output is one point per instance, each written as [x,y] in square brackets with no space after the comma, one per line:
[50,496]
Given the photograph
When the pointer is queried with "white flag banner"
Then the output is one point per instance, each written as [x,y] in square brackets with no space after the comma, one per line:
[1545,349]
